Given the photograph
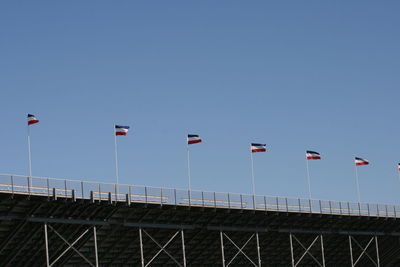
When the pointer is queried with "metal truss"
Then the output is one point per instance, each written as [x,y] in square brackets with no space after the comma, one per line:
[240,250]
[307,250]
[162,248]
[70,246]
[364,251]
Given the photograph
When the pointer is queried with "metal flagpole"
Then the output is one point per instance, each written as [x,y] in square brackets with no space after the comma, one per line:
[358,185]
[308,179]
[116,157]
[252,172]
[29,151]
[188,165]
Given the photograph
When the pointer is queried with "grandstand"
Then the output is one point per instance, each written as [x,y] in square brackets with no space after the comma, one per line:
[58,222]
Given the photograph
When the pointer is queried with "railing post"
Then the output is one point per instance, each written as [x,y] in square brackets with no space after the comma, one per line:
[265,202]
[99,193]
[12,185]
[241,201]
[202,198]
[48,188]
[175,196]
[287,206]
[368,208]
[340,208]
[277,203]
[130,195]
[82,194]
[29,185]
[161,197]
[386,211]
[330,206]
[215,201]
[229,202]
[348,207]
[309,203]
[359,209]
[189,193]
[320,207]
[65,186]
[145,194]
[377,210]
[299,205]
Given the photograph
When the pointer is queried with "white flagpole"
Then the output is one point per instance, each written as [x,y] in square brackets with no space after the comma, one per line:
[252,172]
[358,185]
[188,165]
[308,179]
[29,152]
[116,156]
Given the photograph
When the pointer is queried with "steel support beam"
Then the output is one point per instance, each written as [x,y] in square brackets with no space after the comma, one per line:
[70,246]
[306,250]
[364,251]
[240,250]
[162,248]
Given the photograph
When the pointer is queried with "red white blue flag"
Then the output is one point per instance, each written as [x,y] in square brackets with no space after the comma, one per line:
[360,161]
[121,130]
[193,139]
[258,147]
[312,155]
[32,119]
[398,166]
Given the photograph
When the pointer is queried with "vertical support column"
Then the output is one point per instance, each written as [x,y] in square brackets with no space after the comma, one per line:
[95,246]
[47,245]
[258,250]
[291,249]
[351,252]
[222,248]
[377,251]
[183,248]
[323,252]
[141,246]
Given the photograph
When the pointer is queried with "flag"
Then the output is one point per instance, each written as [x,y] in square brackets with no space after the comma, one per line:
[398,166]
[121,130]
[193,139]
[32,119]
[360,161]
[258,147]
[312,155]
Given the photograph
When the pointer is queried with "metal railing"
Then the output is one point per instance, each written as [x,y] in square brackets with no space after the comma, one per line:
[96,191]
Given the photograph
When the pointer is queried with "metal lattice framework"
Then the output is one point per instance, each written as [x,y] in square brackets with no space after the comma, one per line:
[55,222]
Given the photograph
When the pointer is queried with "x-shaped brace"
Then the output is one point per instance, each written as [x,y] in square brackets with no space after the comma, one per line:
[162,248]
[70,246]
[307,251]
[240,249]
[364,250]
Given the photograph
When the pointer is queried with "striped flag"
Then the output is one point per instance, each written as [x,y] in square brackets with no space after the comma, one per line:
[312,155]
[258,147]
[193,139]
[32,119]
[398,166]
[121,130]
[360,161]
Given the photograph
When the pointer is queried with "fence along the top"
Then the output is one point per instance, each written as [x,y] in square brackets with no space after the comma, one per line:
[18,184]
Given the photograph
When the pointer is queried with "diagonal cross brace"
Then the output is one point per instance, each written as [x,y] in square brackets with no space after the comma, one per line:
[70,246]
[364,250]
[240,250]
[162,248]
[307,251]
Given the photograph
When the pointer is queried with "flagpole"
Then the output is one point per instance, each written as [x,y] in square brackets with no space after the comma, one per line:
[116,156]
[252,172]
[188,165]
[308,179]
[358,185]
[29,151]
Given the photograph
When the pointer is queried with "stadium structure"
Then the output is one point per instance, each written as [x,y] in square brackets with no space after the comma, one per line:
[57,222]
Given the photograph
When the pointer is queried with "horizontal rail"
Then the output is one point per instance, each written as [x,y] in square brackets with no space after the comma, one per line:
[63,188]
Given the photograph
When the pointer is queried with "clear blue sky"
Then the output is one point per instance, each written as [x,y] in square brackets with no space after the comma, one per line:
[296,75]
